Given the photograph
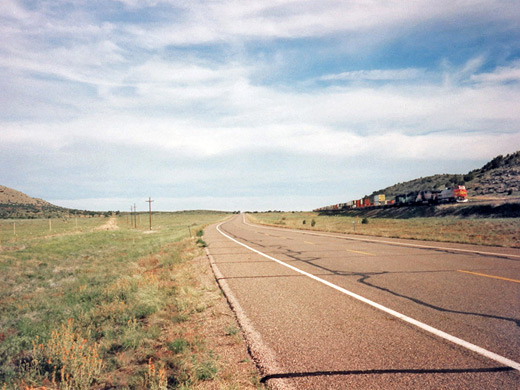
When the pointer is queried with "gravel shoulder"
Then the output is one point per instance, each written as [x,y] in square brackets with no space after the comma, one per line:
[223,335]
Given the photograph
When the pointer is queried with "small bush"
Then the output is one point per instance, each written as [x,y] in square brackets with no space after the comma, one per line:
[364,221]
[304,222]
[132,335]
[231,331]
[313,223]
[200,233]
[178,345]
[201,243]
[66,358]
[206,370]
[156,377]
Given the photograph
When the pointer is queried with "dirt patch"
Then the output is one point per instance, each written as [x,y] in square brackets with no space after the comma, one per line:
[111,224]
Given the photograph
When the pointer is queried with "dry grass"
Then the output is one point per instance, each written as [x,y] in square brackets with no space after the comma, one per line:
[482,231]
[118,309]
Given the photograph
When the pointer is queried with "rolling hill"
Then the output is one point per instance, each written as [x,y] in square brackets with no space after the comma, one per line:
[10,196]
[16,204]
[493,191]
[498,178]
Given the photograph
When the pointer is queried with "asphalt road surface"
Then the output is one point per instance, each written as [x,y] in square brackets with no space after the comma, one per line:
[335,311]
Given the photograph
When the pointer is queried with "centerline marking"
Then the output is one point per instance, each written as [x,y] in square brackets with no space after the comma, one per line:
[472,347]
[489,276]
[361,252]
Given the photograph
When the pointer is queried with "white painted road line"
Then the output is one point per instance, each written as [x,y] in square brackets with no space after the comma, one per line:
[472,347]
[341,235]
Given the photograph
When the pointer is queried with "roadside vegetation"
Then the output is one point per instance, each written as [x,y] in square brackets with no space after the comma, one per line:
[482,231]
[96,303]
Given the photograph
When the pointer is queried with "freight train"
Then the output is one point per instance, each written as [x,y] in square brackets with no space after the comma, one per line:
[422,197]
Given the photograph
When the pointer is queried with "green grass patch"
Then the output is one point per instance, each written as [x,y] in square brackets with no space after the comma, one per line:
[120,296]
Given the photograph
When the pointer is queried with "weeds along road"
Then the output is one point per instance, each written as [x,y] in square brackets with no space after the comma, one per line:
[333,311]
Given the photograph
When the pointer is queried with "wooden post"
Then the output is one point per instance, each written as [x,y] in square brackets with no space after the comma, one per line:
[150,210]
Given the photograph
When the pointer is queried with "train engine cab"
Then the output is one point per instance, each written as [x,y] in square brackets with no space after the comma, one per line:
[453,194]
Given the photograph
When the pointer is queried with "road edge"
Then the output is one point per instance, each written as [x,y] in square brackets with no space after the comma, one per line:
[263,356]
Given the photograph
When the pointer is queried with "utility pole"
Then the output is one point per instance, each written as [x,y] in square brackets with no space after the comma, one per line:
[150,210]
[135,216]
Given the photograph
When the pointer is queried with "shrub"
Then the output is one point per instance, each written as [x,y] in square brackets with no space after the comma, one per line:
[313,223]
[470,176]
[231,331]
[67,358]
[364,221]
[206,370]
[156,377]
[178,345]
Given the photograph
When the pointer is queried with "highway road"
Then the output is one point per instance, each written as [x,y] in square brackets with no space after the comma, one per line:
[336,311]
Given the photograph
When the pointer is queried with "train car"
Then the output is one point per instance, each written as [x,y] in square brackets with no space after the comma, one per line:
[423,197]
[453,194]
[379,200]
[400,199]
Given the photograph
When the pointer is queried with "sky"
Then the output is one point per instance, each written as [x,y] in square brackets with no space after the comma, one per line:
[250,105]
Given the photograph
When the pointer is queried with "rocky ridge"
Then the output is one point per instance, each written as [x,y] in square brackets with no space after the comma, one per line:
[499,177]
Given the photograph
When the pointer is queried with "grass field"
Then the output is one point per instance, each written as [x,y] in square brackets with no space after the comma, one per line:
[96,303]
[482,231]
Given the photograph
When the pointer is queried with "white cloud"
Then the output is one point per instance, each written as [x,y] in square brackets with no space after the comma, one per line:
[377,75]
[82,78]
[187,140]
[216,21]
[11,9]
[196,107]
[500,75]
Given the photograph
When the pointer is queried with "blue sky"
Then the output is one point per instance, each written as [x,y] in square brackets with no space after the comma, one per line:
[250,105]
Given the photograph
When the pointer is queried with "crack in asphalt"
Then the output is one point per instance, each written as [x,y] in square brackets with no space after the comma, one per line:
[364,277]
[382,372]
[364,280]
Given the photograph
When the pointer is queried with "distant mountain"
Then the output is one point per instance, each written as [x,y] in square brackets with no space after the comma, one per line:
[16,204]
[499,177]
